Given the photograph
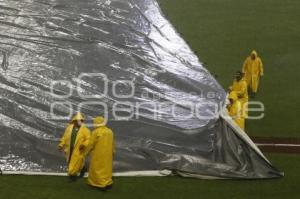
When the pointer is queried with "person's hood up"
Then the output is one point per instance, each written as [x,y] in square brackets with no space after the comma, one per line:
[78,116]
[254,53]
[99,121]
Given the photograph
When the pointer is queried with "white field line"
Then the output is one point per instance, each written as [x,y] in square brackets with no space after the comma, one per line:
[117,174]
[278,145]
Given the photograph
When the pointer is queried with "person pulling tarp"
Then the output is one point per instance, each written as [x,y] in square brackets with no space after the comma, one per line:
[101,150]
[74,143]
[235,110]
[240,87]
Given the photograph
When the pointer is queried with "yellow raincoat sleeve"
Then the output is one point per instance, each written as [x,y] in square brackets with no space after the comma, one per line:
[233,110]
[243,89]
[87,136]
[261,68]
[63,140]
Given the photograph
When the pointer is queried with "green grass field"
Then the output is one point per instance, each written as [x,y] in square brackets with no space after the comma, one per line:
[223,32]
[34,187]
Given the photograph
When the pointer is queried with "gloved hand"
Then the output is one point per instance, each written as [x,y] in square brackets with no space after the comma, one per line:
[60,148]
[81,147]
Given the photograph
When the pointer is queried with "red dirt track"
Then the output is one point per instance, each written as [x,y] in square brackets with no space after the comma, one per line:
[277,145]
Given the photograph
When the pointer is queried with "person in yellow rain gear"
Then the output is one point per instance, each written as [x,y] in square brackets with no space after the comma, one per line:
[240,87]
[235,110]
[101,150]
[74,143]
[253,70]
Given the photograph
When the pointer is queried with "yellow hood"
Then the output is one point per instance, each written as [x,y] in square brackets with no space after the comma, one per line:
[78,116]
[99,121]
[254,53]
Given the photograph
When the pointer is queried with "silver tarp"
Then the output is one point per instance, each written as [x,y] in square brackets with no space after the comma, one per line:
[124,60]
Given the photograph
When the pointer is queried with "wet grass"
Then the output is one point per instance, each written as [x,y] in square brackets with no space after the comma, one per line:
[43,187]
[223,32]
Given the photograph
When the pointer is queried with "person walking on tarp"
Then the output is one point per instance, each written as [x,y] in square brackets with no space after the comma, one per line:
[253,70]
[74,143]
[235,110]
[101,150]
[240,87]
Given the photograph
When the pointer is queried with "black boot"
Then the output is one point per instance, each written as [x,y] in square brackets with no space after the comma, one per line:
[108,187]
[102,189]
[72,178]
[82,172]
[105,188]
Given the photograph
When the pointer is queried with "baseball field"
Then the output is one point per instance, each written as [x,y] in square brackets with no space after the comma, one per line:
[222,33]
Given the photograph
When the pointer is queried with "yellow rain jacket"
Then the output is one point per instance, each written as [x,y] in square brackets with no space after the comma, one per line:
[102,149]
[235,110]
[240,88]
[253,70]
[76,163]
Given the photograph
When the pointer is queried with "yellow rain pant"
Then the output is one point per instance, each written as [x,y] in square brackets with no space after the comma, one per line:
[254,83]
